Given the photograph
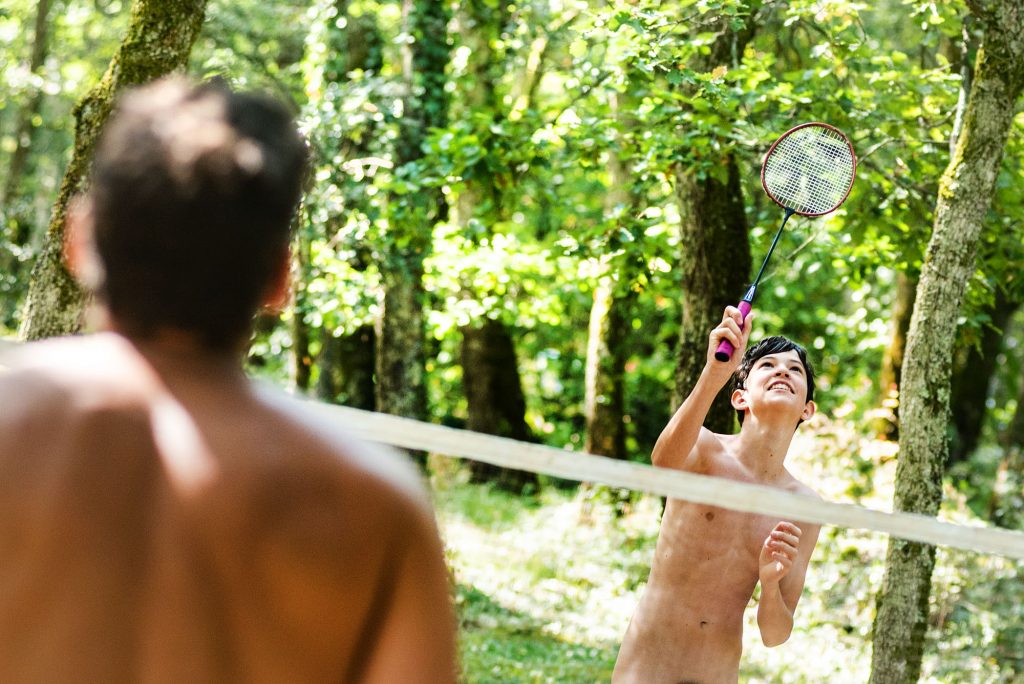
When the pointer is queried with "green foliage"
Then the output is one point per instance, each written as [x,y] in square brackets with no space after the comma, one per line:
[542,94]
[522,167]
[254,45]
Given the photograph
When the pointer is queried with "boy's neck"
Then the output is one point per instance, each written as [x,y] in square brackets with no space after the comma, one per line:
[174,356]
[762,447]
[181,356]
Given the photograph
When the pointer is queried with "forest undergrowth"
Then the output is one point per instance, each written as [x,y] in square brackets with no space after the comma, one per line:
[545,584]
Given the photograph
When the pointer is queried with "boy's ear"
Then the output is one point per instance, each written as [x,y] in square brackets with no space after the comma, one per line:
[279,289]
[810,408]
[79,249]
[739,399]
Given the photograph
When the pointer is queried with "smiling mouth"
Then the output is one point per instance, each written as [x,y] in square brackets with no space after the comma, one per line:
[780,385]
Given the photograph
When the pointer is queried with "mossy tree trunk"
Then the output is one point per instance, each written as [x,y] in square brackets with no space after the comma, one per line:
[965,193]
[607,351]
[401,352]
[605,371]
[714,241]
[959,53]
[158,41]
[301,361]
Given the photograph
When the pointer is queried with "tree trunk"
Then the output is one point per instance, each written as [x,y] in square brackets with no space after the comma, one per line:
[958,53]
[715,263]
[971,381]
[1004,508]
[301,268]
[605,371]
[490,375]
[400,350]
[1013,438]
[356,47]
[609,316]
[715,248]
[495,400]
[605,398]
[892,363]
[158,41]
[965,193]
[302,363]
[346,366]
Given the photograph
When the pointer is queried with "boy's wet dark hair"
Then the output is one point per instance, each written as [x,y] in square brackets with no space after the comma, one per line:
[772,345]
[193,190]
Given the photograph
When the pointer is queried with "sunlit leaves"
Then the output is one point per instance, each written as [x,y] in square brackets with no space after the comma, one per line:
[496,276]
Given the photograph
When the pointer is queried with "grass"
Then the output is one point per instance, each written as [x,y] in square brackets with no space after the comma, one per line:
[545,585]
[530,580]
[500,645]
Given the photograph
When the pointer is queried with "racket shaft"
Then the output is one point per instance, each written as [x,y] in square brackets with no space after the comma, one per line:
[725,348]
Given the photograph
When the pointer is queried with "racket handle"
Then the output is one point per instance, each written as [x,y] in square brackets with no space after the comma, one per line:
[725,348]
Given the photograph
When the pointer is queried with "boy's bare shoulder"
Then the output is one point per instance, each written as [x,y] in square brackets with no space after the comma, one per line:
[798,487]
[103,358]
[715,450]
[68,376]
[719,442]
[50,382]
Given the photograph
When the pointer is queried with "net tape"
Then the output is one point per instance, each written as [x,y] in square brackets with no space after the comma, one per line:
[810,170]
[739,496]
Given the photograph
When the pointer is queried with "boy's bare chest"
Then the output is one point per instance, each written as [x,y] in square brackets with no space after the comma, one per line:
[716,532]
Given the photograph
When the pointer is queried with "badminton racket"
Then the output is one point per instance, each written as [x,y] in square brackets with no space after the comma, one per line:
[808,171]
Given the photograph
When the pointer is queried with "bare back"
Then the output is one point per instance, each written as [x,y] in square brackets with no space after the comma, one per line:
[688,626]
[197,531]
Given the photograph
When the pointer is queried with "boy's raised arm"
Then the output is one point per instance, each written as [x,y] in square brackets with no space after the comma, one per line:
[678,446]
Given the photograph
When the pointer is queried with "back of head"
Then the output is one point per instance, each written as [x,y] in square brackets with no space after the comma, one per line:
[193,191]
[772,345]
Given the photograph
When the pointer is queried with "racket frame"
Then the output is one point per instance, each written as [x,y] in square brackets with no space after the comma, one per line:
[853,176]
[725,349]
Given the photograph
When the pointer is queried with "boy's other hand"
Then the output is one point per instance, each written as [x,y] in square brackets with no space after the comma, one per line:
[778,552]
[734,330]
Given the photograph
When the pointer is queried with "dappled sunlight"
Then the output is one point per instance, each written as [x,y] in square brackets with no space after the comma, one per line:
[546,585]
[554,567]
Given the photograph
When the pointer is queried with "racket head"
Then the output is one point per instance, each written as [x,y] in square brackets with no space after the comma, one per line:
[810,169]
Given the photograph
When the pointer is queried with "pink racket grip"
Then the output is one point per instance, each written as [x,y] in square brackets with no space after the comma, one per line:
[725,348]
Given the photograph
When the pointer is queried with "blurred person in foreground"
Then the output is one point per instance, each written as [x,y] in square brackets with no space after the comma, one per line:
[162,519]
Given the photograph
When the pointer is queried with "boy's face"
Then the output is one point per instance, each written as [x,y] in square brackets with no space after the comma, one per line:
[776,383]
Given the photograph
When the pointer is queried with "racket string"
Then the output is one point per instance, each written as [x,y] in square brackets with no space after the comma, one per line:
[810,170]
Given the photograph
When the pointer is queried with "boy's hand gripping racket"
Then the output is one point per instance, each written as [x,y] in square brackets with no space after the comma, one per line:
[808,171]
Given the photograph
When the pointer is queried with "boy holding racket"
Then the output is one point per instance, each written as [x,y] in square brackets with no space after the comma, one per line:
[688,626]
[161,518]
